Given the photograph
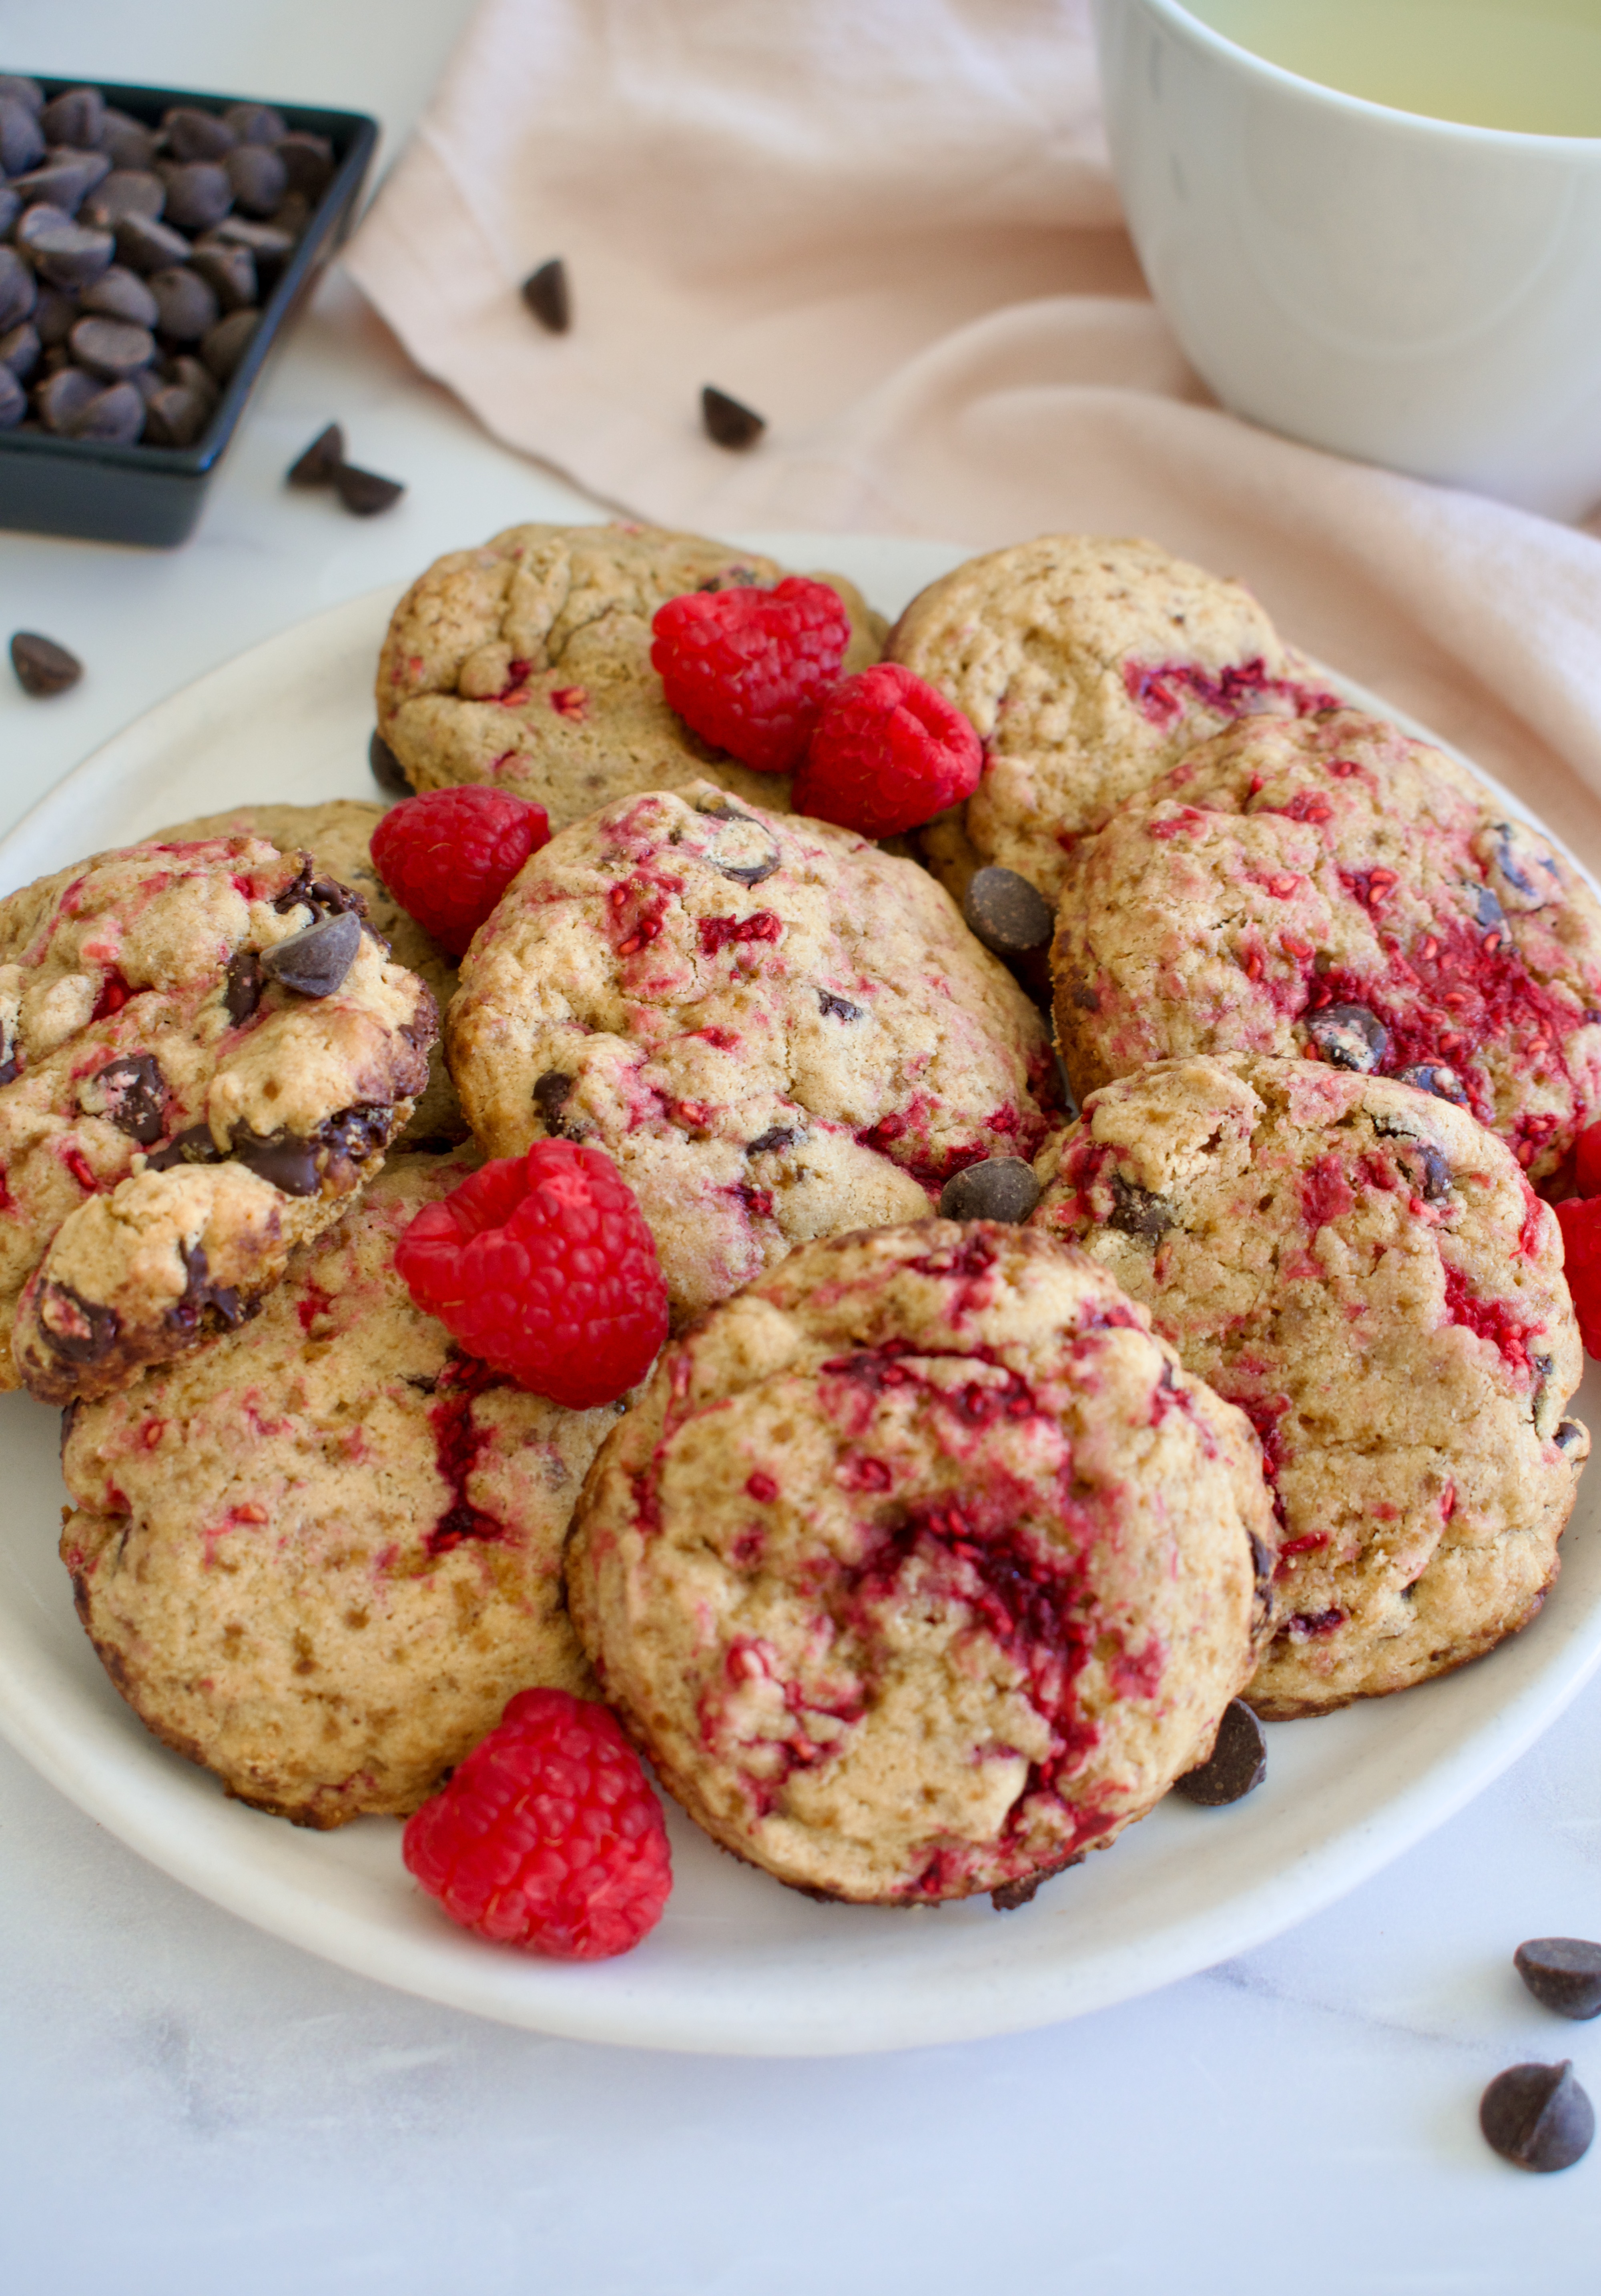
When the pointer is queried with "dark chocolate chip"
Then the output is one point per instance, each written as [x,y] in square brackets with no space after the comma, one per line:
[120,293]
[185,304]
[194,1146]
[223,346]
[1236,1765]
[1530,873]
[363,492]
[194,135]
[125,192]
[55,315]
[115,415]
[11,208]
[1348,1036]
[750,853]
[1488,912]
[255,123]
[1007,914]
[1435,1076]
[1436,1173]
[1136,1211]
[22,139]
[16,88]
[284,1160]
[1564,1973]
[388,771]
[193,375]
[727,422]
[19,350]
[63,397]
[270,247]
[358,1134]
[43,667]
[546,293]
[145,243]
[308,161]
[174,416]
[551,1093]
[1538,2117]
[770,1142]
[245,985]
[70,254]
[76,1327]
[64,181]
[130,1093]
[13,398]
[200,1294]
[230,273]
[76,117]
[840,1007]
[1569,1434]
[19,292]
[1002,1189]
[314,962]
[316,465]
[112,349]
[199,193]
[326,896]
[258,177]
[126,141]
[291,217]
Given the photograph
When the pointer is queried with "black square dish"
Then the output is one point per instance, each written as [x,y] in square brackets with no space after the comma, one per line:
[153,495]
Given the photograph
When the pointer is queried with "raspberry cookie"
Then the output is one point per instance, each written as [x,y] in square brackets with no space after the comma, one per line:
[777,1030]
[1366,1272]
[319,1556]
[527,664]
[922,1568]
[1087,667]
[166,1012]
[1329,887]
[338,836]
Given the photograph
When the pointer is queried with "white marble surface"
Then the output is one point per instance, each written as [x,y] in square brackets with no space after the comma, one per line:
[186,2104]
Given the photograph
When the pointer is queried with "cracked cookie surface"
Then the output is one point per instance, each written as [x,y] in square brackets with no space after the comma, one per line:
[1332,888]
[320,1556]
[1366,1272]
[921,1568]
[146,1039]
[775,1030]
[527,664]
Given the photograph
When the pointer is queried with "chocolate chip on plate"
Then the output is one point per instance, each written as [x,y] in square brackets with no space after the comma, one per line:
[1563,1973]
[196,377]
[76,117]
[126,141]
[308,160]
[1538,2117]
[314,961]
[11,207]
[1236,1765]
[125,192]
[13,398]
[174,416]
[70,254]
[115,415]
[255,123]
[112,349]
[1008,915]
[727,421]
[120,293]
[199,193]
[363,492]
[43,668]
[22,139]
[185,305]
[223,346]
[1003,1188]
[229,272]
[64,180]
[258,177]
[62,397]
[547,295]
[194,135]
[388,771]
[316,465]
[145,243]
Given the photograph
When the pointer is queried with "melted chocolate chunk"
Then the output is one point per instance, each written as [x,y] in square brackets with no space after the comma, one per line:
[314,962]
[1136,1211]
[1530,873]
[1488,912]
[74,1327]
[841,1007]
[284,1159]
[1003,1188]
[387,769]
[358,1134]
[547,294]
[324,895]
[1435,1076]
[1011,916]
[1563,1973]
[1011,1895]
[200,1295]
[246,982]
[1436,1173]
[1538,2117]
[130,1093]
[728,421]
[1568,1435]
[551,1092]
[196,1146]
[1236,1765]
[748,859]
[1348,1036]
[768,1142]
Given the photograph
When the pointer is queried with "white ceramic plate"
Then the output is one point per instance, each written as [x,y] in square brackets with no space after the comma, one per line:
[738,1964]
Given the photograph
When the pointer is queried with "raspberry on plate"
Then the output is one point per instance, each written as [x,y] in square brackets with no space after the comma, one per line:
[542,1266]
[449,855]
[548,1835]
[888,754]
[749,669]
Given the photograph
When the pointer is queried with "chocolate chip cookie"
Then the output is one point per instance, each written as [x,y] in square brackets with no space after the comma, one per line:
[777,1030]
[922,1568]
[1365,1271]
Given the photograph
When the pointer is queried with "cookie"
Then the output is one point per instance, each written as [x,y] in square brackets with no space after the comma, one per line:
[921,1568]
[319,1556]
[165,1010]
[527,664]
[1329,888]
[777,1030]
[1365,1271]
[1088,665]
[337,834]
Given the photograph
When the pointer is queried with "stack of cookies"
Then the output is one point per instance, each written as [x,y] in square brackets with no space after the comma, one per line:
[934,1549]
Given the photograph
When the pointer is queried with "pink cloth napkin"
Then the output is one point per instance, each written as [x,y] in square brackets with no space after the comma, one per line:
[890,226]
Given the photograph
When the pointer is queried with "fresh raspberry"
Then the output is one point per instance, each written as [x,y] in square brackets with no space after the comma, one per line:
[748,668]
[1581,1220]
[1587,1161]
[548,1835]
[449,855]
[544,1268]
[889,753]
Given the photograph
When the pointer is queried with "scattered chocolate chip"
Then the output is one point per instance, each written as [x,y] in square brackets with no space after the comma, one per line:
[244,986]
[13,399]
[126,141]
[840,1007]
[1348,1036]
[314,961]
[1435,1076]
[115,415]
[185,305]
[21,140]
[551,1092]
[308,162]
[43,668]
[223,346]
[726,421]
[19,350]
[174,416]
[130,1093]
[1538,2117]
[1236,1765]
[199,193]
[194,135]
[1136,1212]
[1008,915]
[255,123]
[18,289]
[145,243]
[258,178]
[70,254]
[363,492]
[316,465]
[388,771]
[1002,1189]
[544,291]
[768,1142]
[112,349]
[1564,1973]
[76,117]
[119,293]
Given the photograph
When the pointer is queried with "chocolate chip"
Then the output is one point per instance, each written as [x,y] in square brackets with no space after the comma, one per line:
[1436,1173]
[126,141]
[1236,1765]
[308,162]
[324,896]
[1136,1212]
[76,117]
[125,192]
[194,135]
[314,962]
[770,1142]
[115,415]
[388,771]
[19,350]
[727,422]
[269,247]
[130,1093]
[1011,1895]
[840,1007]
[1528,871]
[1488,912]
[255,123]
[1008,915]
[318,462]
[1003,1188]
[1570,1435]
[55,315]
[18,291]
[363,492]
[284,1161]
[42,667]
[119,293]
[11,207]
[358,1134]
[70,254]
[292,217]
[544,291]
[551,1093]
[16,87]
[112,349]
[199,193]
[63,182]
[13,399]
[174,416]
[258,177]
[62,398]
[223,346]
[191,375]
[74,1327]
[245,985]
[194,1146]
[1435,1076]
[145,243]
[1348,1036]
[1564,1973]
[185,305]
[748,853]
[21,141]
[200,1294]
[1538,2117]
